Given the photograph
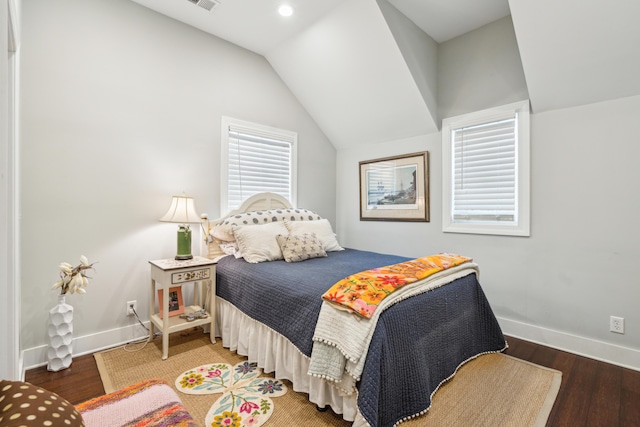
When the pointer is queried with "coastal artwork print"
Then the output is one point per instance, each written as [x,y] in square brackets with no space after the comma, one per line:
[395,188]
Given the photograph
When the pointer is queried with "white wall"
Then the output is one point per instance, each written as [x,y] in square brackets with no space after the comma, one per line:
[349,72]
[560,285]
[10,366]
[479,70]
[419,51]
[121,109]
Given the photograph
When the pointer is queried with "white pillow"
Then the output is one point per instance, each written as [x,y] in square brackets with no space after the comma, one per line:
[258,243]
[229,248]
[321,228]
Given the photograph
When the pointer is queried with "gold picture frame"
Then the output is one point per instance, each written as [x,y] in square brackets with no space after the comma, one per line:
[395,188]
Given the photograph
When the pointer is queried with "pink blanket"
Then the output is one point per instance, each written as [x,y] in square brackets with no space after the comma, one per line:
[151,403]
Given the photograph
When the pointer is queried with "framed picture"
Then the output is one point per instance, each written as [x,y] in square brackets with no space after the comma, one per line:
[395,188]
[176,306]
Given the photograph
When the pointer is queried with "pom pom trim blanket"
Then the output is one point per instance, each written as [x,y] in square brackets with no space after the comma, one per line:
[341,339]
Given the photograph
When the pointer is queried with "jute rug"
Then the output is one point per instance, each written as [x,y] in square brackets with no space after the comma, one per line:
[492,390]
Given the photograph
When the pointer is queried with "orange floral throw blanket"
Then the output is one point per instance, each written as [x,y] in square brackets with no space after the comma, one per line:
[361,293]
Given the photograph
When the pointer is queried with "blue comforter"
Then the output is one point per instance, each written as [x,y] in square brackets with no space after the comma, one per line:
[287,296]
[417,343]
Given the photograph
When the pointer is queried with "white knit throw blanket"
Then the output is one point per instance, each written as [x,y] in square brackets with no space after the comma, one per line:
[341,339]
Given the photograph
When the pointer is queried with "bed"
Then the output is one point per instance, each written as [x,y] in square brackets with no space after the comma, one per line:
[272,311]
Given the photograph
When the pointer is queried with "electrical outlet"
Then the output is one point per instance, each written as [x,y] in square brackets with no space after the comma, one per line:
[131,307]
[616,324]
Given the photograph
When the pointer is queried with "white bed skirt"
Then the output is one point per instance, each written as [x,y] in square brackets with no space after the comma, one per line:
[275,353]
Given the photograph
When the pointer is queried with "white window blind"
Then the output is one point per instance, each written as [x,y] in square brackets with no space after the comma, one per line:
[258,159]
[484,171]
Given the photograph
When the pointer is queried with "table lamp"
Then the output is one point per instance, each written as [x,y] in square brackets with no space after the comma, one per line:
[182,211]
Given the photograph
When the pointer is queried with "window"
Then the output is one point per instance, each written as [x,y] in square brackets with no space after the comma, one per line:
[485,164]
[256,158]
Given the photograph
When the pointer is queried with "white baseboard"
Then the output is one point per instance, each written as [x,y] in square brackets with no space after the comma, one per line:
[593,349]
[37,356]
[606,352]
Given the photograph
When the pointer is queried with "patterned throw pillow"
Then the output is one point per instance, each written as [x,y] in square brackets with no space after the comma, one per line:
[23,404]
[224,229]
[299,247]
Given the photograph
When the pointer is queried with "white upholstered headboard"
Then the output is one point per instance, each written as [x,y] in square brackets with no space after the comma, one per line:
[209,248]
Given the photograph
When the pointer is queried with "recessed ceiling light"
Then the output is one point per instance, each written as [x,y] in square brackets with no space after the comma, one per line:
[285,10]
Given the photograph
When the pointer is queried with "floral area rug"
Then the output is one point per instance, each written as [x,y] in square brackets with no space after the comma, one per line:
[246,397]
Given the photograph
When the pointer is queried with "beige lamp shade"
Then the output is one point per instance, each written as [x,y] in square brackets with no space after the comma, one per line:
[182,211]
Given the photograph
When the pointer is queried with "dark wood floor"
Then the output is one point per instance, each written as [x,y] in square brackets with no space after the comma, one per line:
[592,393]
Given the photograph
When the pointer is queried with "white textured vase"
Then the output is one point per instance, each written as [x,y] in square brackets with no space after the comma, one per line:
[60,333]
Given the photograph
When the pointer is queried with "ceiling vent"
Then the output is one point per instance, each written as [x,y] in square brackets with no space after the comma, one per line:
[206,4]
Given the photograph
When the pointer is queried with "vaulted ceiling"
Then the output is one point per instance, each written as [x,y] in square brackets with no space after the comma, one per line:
[366,70]
[579,51]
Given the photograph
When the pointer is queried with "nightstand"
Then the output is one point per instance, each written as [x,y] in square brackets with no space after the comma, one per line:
[169,273]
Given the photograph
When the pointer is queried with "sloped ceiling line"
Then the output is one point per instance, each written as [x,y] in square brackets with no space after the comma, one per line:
[577,53]
[420,53]
[350,74]
[364,79]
